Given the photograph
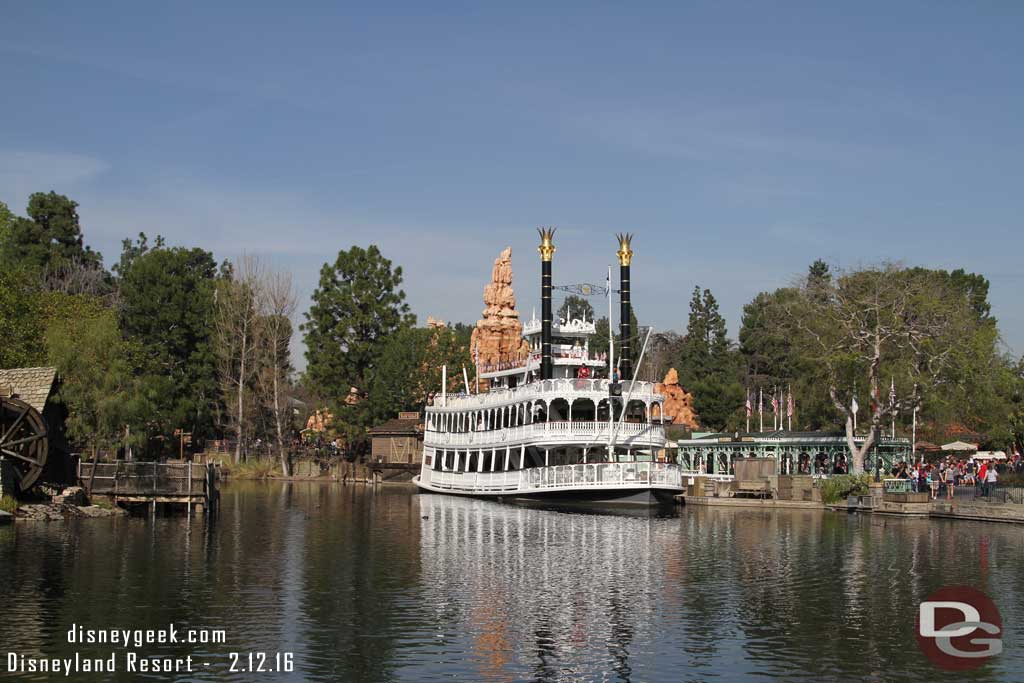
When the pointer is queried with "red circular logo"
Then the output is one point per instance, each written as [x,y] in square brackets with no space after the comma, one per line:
[959,628]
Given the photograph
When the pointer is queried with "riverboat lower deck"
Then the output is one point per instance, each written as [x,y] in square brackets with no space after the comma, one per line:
[631,483]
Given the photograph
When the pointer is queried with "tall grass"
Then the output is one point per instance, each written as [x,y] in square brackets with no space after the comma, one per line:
[9,504]
[254,468]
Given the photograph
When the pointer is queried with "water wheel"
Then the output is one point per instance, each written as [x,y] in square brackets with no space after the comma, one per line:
[23,440]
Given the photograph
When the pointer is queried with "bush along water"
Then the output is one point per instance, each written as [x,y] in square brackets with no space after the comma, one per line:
[837,488]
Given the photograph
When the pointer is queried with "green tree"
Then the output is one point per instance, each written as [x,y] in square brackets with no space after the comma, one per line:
[167,308]
[49,238]
[771,360]
[1015,405]
[357,306]
[21,324]
[98,371]
[408,373]
[356,309]
[578,306]
[6,218]
[708,364]
[132,250]
[918,329]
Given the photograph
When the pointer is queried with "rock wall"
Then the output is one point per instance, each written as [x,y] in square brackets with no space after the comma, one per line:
[498,337]
[678,401]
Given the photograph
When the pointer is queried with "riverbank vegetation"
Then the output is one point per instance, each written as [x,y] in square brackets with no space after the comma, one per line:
[170,343]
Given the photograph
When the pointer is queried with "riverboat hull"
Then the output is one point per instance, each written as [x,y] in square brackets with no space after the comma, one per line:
[644,495]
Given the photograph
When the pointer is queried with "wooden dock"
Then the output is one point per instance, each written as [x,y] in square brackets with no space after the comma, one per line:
[192,486]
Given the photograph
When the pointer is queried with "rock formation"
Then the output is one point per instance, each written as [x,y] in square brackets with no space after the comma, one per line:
[498,337]
[433,324]
[678,401]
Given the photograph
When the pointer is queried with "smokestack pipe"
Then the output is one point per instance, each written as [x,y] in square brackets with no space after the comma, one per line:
[547,252]
[625,255]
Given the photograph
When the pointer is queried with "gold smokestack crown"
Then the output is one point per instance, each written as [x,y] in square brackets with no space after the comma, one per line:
[547,247]
[625,252]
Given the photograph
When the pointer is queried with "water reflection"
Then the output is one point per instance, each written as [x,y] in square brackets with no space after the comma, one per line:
[383,585]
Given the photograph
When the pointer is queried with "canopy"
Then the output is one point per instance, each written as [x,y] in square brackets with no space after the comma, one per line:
[990,455]
[959,446]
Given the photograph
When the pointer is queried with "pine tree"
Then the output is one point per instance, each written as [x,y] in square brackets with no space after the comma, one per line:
[358,306]
[708,364]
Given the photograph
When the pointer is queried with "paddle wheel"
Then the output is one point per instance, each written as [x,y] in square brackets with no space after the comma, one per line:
[23,440]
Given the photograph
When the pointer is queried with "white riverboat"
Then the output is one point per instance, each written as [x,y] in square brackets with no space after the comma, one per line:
[549,427]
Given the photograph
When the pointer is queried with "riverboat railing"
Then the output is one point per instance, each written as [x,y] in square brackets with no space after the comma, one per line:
[540,389]
[557,431]
[589,475]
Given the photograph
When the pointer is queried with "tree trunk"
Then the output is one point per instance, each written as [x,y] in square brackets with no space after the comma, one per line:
[286,464]
[241,389]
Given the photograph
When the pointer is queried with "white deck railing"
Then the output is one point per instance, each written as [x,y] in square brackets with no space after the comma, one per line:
[562,432]
[596,388]
[592,475]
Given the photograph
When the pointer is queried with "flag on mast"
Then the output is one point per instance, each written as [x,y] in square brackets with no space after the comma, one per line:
[854,408]
[760,409]
[776,418]
[750,409]
[789,409]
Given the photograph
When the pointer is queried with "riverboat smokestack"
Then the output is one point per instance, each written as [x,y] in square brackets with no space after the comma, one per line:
[625,255]
[547,252]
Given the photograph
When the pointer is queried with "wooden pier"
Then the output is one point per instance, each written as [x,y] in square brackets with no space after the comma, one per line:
[190,485]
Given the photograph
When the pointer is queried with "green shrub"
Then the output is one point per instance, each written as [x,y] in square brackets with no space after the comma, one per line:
[8,504]
[838,487]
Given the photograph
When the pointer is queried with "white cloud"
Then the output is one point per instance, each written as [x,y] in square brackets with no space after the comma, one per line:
[22,173]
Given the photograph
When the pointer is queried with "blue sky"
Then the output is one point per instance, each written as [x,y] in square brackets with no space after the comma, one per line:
[739,141]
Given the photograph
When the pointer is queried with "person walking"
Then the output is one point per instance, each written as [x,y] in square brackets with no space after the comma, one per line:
[991,477]
[933,479]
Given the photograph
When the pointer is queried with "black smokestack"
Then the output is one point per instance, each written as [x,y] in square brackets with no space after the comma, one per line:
[547,252]
[625,255]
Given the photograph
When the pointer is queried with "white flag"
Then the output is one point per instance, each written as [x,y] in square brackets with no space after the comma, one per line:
[853,405]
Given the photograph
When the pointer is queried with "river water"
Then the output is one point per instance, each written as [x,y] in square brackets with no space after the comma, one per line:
[386,585]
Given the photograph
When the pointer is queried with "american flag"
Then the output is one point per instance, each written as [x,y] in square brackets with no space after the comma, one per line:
[750,408]
[775,402]
[789,404]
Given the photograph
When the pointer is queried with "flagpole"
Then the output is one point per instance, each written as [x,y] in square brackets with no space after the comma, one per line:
[892,404]
[760,409]
[746,408]
[913,437]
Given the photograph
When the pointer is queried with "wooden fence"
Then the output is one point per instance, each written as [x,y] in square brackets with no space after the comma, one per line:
[149,479]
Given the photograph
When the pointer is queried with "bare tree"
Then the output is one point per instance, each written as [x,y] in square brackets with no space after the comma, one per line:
[874,324]
[277,311]
[235,329]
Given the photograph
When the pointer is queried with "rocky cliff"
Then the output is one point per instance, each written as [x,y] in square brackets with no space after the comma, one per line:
[498,337]
[678,401]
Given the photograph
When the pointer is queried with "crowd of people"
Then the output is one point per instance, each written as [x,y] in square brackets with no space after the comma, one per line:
[949,473]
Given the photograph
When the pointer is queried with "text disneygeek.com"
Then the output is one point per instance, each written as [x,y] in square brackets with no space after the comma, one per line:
[126,652]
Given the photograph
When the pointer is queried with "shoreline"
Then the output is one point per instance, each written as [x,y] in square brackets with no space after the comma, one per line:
[974,512]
